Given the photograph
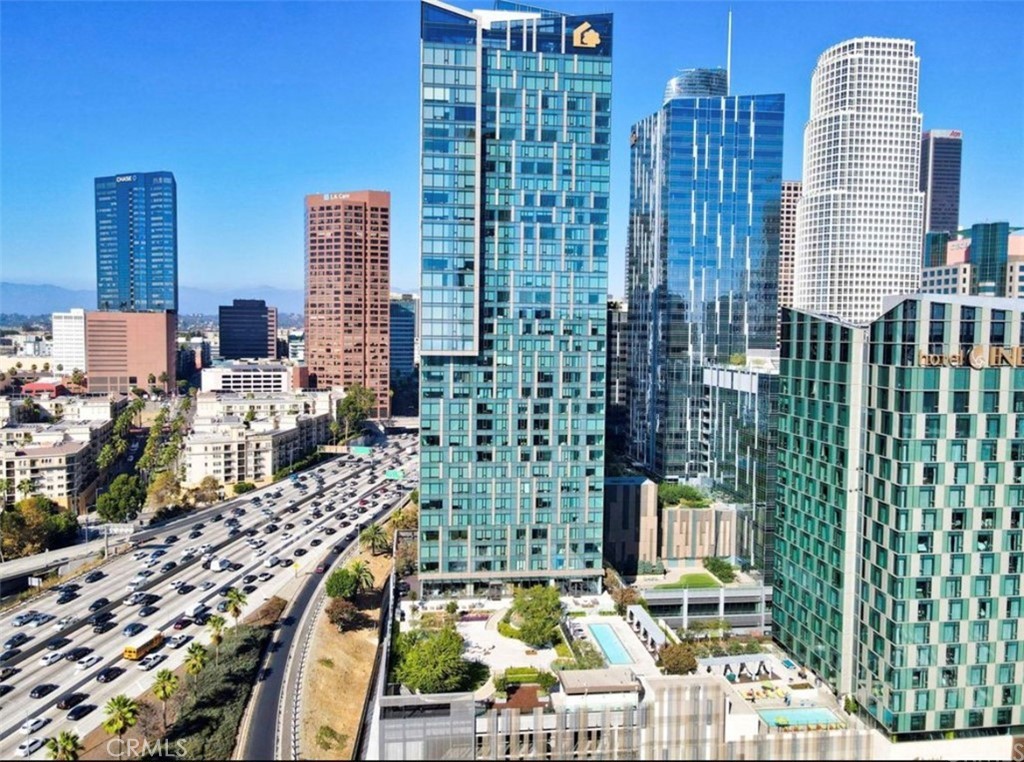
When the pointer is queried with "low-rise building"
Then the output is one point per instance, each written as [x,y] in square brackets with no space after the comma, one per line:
[253,378]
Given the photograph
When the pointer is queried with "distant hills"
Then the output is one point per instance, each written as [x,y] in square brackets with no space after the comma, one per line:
[41,299]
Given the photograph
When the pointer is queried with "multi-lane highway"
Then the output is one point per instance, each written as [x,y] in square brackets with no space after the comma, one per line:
[309,521]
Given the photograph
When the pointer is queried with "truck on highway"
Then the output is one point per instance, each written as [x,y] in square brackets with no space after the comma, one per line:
[195,610]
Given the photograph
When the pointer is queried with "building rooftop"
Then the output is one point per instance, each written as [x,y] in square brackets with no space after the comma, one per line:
[590,681]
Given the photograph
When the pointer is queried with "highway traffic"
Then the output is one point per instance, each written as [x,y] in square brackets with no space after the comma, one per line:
[63,653]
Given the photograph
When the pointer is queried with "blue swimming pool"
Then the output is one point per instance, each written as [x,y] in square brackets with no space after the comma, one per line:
[788,664]
[610,644]
[798,718]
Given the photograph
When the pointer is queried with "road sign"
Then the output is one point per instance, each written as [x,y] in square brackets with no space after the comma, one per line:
[394,474]
[360,450]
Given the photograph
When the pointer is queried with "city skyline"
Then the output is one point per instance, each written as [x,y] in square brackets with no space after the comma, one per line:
[225,123]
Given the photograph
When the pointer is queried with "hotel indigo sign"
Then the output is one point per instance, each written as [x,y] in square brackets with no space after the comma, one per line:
[978,357]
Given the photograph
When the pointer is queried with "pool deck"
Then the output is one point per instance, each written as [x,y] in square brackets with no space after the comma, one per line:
[643,663]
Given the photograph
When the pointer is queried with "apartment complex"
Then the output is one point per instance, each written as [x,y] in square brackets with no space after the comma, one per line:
[347,291]
[940,179]
[123,349]
[137,242]
[860,214]
[899,530]
[514,237]
[67,352]
[702,293]
[248,330]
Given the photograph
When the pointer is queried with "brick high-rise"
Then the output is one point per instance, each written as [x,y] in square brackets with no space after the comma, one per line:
[347,291]
[787,244]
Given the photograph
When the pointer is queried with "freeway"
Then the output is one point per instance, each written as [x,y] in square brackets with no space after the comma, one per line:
[312,520]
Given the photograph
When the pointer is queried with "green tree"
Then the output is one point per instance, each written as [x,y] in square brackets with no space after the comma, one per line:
[357,405]
[208,490]
[242,487]
[195,662]
[152,379]
[335,428]
[33,525]
[721,568]
[163,489]
[432,662]
[165,686]
[26,487]
[345,615]
[363,575]
[236,602]
[405,519]
[625,597]
[414,497]
[66,746]
[164,379]
[342,584]
[406,558]
[122,714]
[123,500]
[375,539]
[536,611]
[678,659]
[216,626]
[182,386]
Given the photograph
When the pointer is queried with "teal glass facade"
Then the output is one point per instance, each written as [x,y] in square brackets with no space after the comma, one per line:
[989,256]
[515,183]
[137,242]
[920,618]
[702,256]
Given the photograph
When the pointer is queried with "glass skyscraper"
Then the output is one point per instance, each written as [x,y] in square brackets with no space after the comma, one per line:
[702,256]
[137,242]
[940,180]
[515,180]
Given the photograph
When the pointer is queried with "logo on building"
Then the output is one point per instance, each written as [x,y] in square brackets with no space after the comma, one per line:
[978,357]
[585,36]
[125,179]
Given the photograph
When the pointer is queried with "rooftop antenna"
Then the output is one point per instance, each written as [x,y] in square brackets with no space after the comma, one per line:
[728,57]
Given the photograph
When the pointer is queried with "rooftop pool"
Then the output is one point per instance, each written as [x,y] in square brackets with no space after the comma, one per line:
[799,717]
[610,644]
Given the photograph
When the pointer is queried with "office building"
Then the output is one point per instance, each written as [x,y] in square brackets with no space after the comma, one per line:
[248,330]
[940,180]
[347,298]
[515,182]
[137,242]
[124,349]
[703,257]
[787,244]
[253,378]
[405,312]
[297,346]
[986,261]
[860,214]
[67,352]
[900,510]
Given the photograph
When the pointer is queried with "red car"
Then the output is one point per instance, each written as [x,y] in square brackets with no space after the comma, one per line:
[182,623]
[321,568]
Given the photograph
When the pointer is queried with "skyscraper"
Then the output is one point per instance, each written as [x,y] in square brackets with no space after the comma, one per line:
[68,353]
[515,167]
[137,242]
[940,180]
[787,243]
[348,291]
[405,311]
[859,219]
[703,255]
[900,510]
[248,329]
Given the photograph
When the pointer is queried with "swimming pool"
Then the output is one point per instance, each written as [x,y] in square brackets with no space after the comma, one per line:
[610,644]
[788,664]
[798,718]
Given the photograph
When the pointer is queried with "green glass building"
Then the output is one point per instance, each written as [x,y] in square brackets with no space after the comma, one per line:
[515,166]
[901,511]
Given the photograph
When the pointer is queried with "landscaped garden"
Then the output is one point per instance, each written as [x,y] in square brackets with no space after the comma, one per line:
[691,581]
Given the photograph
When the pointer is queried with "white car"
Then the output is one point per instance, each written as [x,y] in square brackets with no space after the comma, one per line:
[88,662]
[257,552]
[271,562]
[139,555]
[148,662]
[65,621]
[265,577]
[51,658]
[29,747]
[177,641]
[175,584]
[151,563]
[206,585]
[41,619]
[188,553]
[31,726]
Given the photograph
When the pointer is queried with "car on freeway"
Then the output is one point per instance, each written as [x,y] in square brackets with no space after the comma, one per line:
[330,530]
[185,589]
[182,623]
[51,658]
[15,640]
[103,627]
[80,711]
[6,672]
[9,654]
[248,579]
[337,549]
[177,641]
[43,690]
[140,555]
[208,584]
[97,604]
[108,673]
[148,662]
[307,522]
[195,535]
[65,598]
[24,618]
[29,747]
[299,552]
[168,566]
[223,606]
[88,662]
[31,726]
[41,619]
[77,653]
[316,542]
[201,619]
[171,539]
[175,584]
[148,610]
[133,629]
[321,568]
[70,700]
[223,592]
[104,616]
[249,589]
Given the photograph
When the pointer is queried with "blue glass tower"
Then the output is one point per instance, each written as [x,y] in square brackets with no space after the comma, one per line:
[702,256]
[515,166]
[137,242]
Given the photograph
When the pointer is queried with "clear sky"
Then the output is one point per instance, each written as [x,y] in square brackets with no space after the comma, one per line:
[252,105]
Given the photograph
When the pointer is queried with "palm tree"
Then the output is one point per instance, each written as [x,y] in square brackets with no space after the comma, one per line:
[375,538]
[195,661]
[236,602]
[122,713]
[67,746]
[166,685]
[26,486]
[363,575]
[216,626]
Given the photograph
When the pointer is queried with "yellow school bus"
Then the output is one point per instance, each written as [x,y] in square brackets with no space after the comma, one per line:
[142,645]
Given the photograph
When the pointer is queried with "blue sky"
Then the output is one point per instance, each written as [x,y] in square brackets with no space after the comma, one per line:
[252,105]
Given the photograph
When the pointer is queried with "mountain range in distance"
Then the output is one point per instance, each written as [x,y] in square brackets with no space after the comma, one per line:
[44,298]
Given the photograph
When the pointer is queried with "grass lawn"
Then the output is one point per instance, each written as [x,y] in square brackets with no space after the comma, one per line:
[692,581]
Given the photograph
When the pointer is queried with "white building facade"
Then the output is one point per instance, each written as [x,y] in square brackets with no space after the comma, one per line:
[68,348]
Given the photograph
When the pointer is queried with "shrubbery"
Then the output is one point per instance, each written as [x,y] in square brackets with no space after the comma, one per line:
[721,568]
[242,487]
[536,611]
